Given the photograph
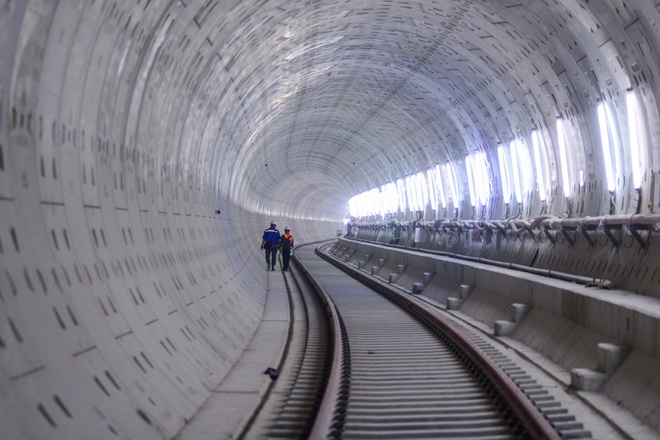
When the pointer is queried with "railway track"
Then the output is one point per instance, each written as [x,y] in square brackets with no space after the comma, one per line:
[292,407]
[380,367]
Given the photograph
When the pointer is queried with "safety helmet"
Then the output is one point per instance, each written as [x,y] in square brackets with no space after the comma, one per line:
[273,223]
[287,229]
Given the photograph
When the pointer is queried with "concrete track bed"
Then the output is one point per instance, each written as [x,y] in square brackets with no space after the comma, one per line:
[605,341]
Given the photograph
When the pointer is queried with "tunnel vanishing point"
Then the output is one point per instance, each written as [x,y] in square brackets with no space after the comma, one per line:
[145,145]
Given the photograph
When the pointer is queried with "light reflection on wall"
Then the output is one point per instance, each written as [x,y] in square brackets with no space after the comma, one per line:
[637,138]
[519,169]
[541,164]
[563,154]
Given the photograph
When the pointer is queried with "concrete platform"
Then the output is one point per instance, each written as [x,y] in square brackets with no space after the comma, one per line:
[560,331]
[233,402]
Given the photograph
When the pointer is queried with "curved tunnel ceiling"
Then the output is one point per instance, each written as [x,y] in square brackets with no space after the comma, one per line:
[293,98]
[145,144]
[264,102]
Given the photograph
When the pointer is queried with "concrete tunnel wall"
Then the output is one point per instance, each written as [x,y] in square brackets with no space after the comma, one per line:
[125,127]
[123,329]
[124,299]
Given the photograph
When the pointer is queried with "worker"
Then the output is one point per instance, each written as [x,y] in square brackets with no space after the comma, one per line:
[286,248]
[269,242]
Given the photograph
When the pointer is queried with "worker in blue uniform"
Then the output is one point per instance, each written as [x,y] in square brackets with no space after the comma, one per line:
[269,242]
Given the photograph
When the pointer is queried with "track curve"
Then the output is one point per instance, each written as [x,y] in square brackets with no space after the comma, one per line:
[404,382]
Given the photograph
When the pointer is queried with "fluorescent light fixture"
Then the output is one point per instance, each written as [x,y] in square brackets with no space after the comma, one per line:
[505,172]
[527,168]
[415,188]
[615,140]
[401,191]
[410,192]
[563,155]
[481,177]
[440,188]
[541,172]
[453,183]
[353,206]
[390,197]
[606,146]
[477,172]
[432,188]
[417,191]
[362,205]
[372,196]
[636,130]
[516,167]
[471,183]
[378,202]
[524,172]
[365,204]
[422,191]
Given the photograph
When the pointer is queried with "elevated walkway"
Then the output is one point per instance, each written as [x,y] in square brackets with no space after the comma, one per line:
[234,402]
[601,344]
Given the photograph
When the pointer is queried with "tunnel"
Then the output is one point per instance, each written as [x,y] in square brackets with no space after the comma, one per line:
[146,145]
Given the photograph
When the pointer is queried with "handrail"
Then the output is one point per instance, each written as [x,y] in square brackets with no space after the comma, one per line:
[547,220]
[633,223]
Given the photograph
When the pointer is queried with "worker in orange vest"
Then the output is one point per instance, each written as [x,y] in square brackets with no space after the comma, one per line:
[286,248]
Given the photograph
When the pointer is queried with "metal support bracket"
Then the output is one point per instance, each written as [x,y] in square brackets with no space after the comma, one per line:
[642,243]
[570,239]
[586,235]
[613,239]
[487,235]
[547,233]
[531,233]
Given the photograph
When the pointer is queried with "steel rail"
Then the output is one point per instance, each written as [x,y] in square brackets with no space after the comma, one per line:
[330,417]
[529,416]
